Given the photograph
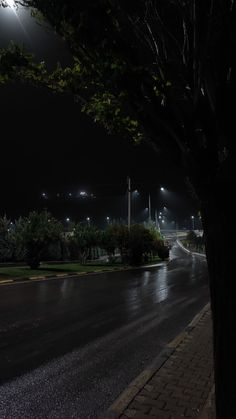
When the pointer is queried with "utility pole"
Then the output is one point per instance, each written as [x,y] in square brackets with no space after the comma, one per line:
[156,221]
[149,208]
[193,226]
[129,202]
[175,229]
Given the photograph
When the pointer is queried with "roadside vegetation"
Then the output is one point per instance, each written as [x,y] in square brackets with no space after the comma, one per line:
[194,243]
[40,242]
[46,269]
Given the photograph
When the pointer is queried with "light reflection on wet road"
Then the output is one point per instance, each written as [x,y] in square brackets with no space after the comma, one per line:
[89,337]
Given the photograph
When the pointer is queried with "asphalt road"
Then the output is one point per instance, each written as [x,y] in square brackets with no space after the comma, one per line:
[68,347]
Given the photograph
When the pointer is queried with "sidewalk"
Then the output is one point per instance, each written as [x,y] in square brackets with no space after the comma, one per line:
[178,384]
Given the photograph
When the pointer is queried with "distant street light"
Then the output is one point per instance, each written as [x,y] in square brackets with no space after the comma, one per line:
[83,193]
[88,220]
[162,189]
[162,223]
[108,219]
[67,219]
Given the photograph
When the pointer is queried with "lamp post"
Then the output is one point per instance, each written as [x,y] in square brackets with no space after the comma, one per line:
[149,208]
[129,202]
[193,225]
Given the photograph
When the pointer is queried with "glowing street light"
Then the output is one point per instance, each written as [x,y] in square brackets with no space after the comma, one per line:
[11,3]
[67,219]
[162,189]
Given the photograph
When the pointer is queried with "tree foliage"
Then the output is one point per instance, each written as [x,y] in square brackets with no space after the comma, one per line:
[140,243]
[35,233]
[6,244]
[156,70]
[85,237]
[134,245]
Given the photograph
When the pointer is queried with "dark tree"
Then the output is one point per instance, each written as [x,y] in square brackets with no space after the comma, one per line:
[35,234]
[162,71]
[85,238]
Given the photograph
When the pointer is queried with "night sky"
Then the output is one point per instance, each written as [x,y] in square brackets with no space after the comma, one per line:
[47,145]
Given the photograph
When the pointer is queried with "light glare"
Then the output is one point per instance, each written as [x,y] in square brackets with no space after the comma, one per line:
[10,3]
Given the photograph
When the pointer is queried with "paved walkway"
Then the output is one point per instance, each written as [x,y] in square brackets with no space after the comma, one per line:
[179,382]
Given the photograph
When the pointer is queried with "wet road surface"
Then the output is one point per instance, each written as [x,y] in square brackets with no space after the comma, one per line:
[69,347]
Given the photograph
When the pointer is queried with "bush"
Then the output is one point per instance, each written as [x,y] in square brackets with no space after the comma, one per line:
[140,243]
[163,252]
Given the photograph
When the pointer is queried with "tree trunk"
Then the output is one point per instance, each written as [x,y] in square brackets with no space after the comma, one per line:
[219,220]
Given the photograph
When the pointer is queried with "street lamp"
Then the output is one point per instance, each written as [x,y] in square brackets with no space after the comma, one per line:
[192,218]
[162,189]
[129,201]
[149,208]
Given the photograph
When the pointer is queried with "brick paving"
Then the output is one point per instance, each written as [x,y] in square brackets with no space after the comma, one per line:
[180,388]
[209,408]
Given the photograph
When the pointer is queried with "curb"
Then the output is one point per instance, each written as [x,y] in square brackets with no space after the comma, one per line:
[189,251]
[6,281]
[23,280]
[127,396]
